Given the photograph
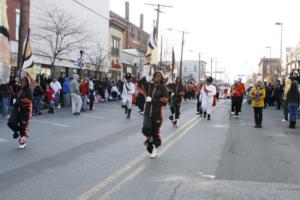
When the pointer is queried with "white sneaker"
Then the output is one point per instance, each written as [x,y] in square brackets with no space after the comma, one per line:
[177,124]
[154,153]
[22,146]
[283,120]
[236,116]
[232,113]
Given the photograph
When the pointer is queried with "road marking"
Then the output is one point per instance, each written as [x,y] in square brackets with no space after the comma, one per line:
[3,140]
[88,194]
[140,169]
[93,116]
[99,186]
[51,123]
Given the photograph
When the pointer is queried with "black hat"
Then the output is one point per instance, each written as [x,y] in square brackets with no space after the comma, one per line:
[209,79]
[128,76]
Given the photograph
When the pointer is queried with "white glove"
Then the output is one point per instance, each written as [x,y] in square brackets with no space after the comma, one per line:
[14,101]
[172,94]
[148,78]
[148,99]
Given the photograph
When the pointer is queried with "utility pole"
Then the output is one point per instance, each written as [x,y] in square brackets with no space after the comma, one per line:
[158,10]
[161,50]
[199,66]
[211,63]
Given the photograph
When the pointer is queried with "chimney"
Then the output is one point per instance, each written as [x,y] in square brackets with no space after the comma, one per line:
[142,21]
[127,10]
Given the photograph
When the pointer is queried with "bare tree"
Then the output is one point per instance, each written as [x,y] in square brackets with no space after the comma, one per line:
[59,32]
[96,55]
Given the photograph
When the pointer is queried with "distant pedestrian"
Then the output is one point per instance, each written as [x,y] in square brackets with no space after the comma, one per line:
[208,93]
[287,86]
[38,95]
[84,87]
[277,94]
[128,92]
[75,95]
[66,92]
[5,100]
[51,98]
[293,101]
[258,95]
[56,86]
[22,113]
[91,94]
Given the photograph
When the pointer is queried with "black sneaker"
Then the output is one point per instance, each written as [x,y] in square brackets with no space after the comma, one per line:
[16,135]
[208,117]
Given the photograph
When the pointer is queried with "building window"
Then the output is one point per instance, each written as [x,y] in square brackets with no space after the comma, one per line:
[17,23]
[115,46]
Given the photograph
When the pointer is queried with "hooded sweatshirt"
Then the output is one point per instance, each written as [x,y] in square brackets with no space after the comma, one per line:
[74,84]
[66,86]
[287,87]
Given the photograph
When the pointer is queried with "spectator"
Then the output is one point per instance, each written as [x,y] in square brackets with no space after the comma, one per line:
[293,101]
[50,93]
[91,94]
[38,95]
[66,92]
[84,86]
[258,95]
[287,87]
[5,96]
[75,95]
[56,86]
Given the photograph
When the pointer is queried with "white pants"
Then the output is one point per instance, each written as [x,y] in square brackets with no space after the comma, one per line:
[127,100]
[207,104]
[76,102]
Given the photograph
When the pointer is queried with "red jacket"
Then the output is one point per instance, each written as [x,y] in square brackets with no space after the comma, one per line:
[84,87]
[50,94]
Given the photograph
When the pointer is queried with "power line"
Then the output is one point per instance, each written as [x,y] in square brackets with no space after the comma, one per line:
[90,9]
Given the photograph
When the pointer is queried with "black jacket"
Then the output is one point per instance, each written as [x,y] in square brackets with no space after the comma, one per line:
[159,95]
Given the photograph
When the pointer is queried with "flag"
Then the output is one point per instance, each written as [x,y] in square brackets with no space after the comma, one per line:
[28,63]
[151,54]
[5,55]
[173,68]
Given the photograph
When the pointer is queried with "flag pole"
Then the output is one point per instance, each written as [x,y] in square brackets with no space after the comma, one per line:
[24,53]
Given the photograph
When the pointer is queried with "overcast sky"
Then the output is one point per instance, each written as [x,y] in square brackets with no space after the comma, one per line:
[235,32]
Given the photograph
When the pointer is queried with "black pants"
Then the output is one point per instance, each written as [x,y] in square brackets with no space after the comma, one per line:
[199,109]
[151,129]
[175,109]
[235,105]
[258,115]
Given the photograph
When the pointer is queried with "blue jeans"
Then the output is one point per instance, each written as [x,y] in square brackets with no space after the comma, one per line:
[84,102]
[37,104]
[293,108]
[5,106]
[57,99]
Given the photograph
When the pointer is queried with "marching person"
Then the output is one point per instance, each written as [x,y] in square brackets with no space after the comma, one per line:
[236,96]
[258,94]
[287,86]
[208,93]
[140,99]
[22,113]
[293,101]
[198,96]
[75,95]
[177,93]
[128,91]
[156,99]
[240,92]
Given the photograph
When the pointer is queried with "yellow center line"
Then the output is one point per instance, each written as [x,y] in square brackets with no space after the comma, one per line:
[99,186]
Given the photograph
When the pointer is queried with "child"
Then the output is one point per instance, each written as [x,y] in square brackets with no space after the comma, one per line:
[51,97]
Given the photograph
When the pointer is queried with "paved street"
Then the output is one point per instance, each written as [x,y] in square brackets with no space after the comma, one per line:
[100,155]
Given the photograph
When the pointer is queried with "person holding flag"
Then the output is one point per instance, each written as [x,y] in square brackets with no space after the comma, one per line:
[128,92]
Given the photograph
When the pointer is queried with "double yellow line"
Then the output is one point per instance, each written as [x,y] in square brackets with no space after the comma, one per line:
[169,142]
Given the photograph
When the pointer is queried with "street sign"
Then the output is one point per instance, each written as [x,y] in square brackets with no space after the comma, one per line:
[80,63]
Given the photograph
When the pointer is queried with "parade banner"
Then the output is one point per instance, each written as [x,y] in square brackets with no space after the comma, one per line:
[5,55]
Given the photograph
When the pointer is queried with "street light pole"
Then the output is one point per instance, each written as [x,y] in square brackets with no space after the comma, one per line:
[268,47]
[199,66]
[281,32]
